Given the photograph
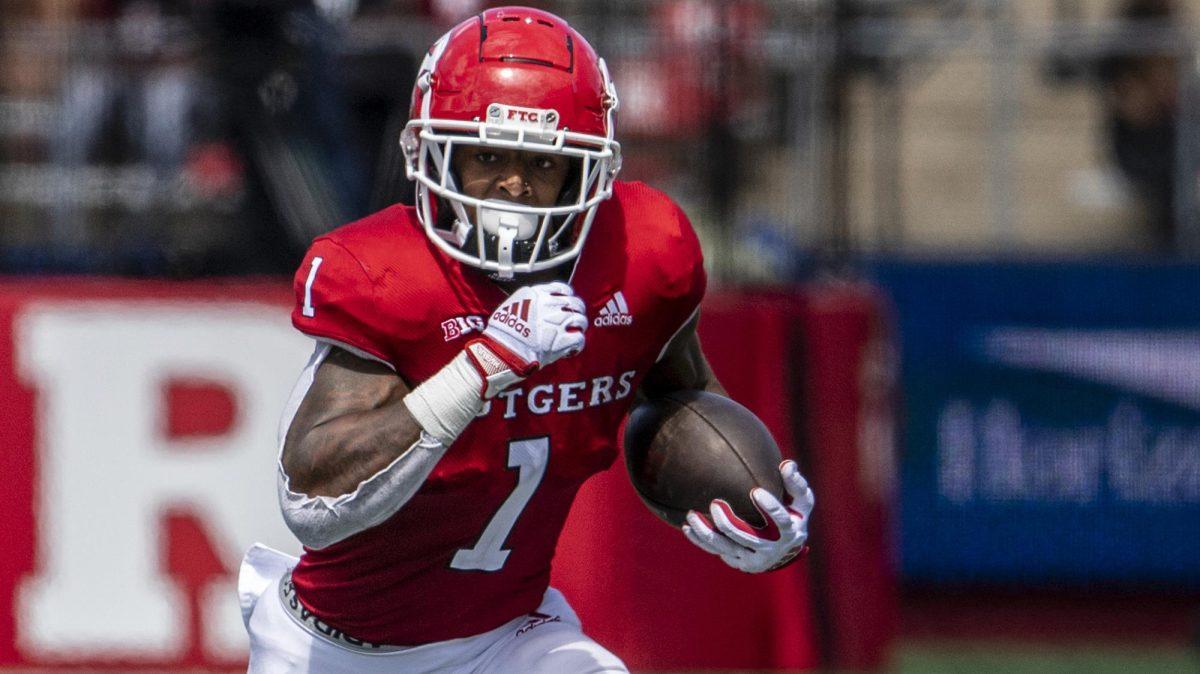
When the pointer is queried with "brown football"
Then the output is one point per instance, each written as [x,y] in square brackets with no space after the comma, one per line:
[687,448]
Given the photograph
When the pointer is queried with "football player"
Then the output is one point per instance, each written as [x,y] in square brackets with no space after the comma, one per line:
[475,355]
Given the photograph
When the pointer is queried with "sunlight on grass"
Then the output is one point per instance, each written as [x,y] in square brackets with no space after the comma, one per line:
[989,658]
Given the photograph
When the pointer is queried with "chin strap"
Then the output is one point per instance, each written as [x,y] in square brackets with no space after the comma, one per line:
[504,250]
[461,231]
[508,227]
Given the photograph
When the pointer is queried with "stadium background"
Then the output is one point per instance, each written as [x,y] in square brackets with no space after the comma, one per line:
[968,229]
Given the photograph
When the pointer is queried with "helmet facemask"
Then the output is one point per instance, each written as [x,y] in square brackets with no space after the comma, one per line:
[499,236]
[511,237]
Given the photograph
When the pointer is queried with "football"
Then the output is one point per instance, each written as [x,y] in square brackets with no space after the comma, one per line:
[687,448]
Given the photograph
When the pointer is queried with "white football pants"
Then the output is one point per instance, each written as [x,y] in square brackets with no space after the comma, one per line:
[279,645]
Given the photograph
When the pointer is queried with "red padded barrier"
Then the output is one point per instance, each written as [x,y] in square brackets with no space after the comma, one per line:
[812,364]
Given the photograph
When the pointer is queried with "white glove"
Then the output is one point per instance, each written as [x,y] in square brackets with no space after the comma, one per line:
[534,327]
[752,550]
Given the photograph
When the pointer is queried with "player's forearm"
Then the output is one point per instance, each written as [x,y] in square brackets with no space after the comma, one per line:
[334,457]
[362,466]
[372,424]
[320,521]
[684,368]
[714,386]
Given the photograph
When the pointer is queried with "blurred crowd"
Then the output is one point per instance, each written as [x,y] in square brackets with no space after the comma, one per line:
[194,137]
[1140,98]
[187,138]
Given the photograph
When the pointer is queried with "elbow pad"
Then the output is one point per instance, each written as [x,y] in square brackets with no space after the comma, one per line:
[321,521]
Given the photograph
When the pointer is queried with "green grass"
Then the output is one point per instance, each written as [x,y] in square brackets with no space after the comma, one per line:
[1009,658]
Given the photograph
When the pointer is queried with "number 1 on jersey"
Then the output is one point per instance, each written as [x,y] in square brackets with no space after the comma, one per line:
[308,309]
[530,458]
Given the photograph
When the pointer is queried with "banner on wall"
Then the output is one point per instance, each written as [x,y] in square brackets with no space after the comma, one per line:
[139,453]
[139,433]
[1053,422]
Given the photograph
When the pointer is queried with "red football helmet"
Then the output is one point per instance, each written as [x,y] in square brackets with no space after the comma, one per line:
[519,79]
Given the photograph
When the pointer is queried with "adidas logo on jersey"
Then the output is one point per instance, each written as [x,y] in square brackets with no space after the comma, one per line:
[614,312]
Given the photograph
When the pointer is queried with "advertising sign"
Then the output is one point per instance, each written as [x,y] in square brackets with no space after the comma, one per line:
[1052,419]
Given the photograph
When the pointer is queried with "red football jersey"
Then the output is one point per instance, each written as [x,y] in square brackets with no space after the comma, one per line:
[472,549]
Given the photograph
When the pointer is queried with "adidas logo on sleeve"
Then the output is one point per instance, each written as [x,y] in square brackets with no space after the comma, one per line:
[614,312]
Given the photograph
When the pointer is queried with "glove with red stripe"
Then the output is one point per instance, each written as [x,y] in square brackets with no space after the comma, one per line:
[755,550]
[536,326]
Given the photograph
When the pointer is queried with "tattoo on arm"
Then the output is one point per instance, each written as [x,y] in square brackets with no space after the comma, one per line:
[350,425]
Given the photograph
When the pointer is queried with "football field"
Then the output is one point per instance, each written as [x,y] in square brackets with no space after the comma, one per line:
[982,657]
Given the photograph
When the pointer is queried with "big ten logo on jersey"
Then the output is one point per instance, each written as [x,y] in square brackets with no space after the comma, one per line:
[571,396]
[456,327]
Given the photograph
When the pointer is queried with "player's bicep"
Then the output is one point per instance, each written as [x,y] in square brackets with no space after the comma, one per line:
[682,365]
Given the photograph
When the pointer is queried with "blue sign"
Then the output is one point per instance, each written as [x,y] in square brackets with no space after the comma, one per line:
[1052,422]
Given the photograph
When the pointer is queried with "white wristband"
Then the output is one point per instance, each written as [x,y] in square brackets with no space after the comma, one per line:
[446,402]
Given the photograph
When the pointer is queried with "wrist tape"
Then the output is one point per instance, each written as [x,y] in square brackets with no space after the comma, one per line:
[446,402]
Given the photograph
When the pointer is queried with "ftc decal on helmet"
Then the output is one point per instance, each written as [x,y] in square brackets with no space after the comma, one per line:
[511,78]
